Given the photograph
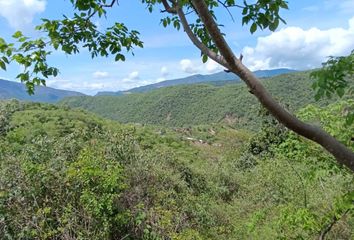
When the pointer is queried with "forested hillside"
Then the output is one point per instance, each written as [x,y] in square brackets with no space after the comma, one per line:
[199,104]
[215,78]
[68,174]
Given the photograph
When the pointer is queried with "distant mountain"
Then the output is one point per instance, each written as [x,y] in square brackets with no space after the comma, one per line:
[212,78]
[9,90]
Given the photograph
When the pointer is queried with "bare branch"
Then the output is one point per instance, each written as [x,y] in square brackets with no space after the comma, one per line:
[109,5]
[232,5]
[328,228]
[227,9]
[102,6]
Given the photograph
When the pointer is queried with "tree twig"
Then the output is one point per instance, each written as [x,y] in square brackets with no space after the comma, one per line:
[328,228]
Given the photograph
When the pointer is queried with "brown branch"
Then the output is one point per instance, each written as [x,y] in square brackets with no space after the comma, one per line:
[102,6]
[204,49]
[328,228]
[232,5]
[342,154]
[109,5]
[168,8]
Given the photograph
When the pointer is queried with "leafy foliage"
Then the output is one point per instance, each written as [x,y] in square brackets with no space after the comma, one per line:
[336,78]
[67,174]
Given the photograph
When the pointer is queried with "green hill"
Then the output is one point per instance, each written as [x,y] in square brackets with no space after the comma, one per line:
[68,174]
[198,104]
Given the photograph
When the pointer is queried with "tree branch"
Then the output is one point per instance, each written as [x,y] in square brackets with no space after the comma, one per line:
[109,5]
[328,228]
[204,49]
[102,6]
[227,9]
[342,154]
[168,8]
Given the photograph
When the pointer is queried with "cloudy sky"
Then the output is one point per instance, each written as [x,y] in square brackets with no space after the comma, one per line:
[315,29]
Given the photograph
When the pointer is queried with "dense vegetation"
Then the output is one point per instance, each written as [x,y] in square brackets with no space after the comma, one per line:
[199,104]
[67,174]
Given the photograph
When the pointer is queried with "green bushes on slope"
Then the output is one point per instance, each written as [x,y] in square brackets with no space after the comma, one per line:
[67,174]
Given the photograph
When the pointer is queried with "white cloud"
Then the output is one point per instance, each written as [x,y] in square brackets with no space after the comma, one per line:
[100,75]
[81,86]
[20,13]
[297,48]
[164,71]
[188,66]
[134,75]
[211,66]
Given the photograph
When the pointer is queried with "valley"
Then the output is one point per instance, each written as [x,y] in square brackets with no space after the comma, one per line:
[200,161]
[77,174]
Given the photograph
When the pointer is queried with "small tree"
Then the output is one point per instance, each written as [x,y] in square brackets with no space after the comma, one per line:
[68,34]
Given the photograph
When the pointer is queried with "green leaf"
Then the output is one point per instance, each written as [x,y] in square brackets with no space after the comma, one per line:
[274,25]
[204,58]
[2,65]
[120,57]
[253,28]
[5,59]
[340,92]
[17,34]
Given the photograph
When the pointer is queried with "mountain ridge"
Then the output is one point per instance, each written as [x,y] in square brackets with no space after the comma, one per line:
[196,79]
[10,89]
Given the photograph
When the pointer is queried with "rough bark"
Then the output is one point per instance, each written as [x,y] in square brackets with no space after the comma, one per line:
[342,154]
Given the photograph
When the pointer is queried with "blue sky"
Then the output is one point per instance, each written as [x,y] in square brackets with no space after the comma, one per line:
[315,29]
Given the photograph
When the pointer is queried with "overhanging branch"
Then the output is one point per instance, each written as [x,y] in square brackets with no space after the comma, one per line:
[342,153]
[204,49]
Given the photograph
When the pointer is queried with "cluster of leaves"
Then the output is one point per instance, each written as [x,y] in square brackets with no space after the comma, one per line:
[32,55]
[72,33]
[263,14]
[335,78]
[69,35]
